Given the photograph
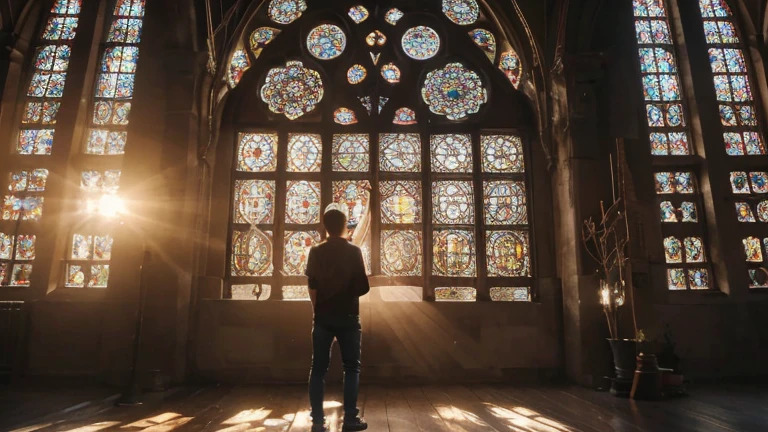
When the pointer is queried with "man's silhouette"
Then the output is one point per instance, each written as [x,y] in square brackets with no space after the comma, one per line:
[337,279]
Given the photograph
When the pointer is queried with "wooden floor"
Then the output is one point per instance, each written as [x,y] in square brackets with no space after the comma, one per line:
[394,409]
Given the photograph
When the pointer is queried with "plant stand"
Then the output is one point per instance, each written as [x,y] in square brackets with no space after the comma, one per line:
[624,360]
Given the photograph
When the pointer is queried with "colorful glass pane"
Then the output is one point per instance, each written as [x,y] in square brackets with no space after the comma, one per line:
[758,278]
[35,142]
[668,212]
[261,37]
[292,90]
[99,276]
[453,253]
[485,40]
[762,211]
[382,102]
[401,253]
[125,31]
[304,152]
[75,276]
[420,43]
[390,73]
[295,293]
[400,152]
[404,116]
[238,64]
[454,91]
[344,116]
[355,195]
[326,42]
[53,58]
[714,8]
[376,38]
[296,252]
[455,294]
[759,182]
[302,202]
[674,182]
[451,153]
[507,294]
[356,74]
[754,143]
[393,16]
[6,246]
[21,275]
[694,250]
[507,253]
[60,28]
[673,250]
[400,202]
[739,183]
[461,12]
[104,142]
[102,247]
[47,85]
[358,14]
[25,247]
[698,279]
[286,11]
[66,7]
[351,152]
[11,207]
[367,104]
[453,202]
[375,58]
[251,253]
[108,112]
[254,201]
[753,250]
[676,279]
[257,152]
[744,212]
[134,8]
[689,212]
[505,202]
[502,154]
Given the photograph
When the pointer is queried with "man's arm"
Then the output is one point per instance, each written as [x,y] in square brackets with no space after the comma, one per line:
[360,279]
[310,273]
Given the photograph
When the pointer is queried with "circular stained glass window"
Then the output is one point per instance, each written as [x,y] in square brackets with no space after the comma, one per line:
[454,91]
[326,41]
[461,12]
[356,74]
[286,11]
[390,73]
[421,43]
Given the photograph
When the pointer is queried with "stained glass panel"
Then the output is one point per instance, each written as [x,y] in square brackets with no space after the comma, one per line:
[759,182]
[25,247]
[60,28]
[674,182]
[453,203]
[286,11]
[508,294]
[507,253]
[125,31]
[400,152]
[739,182]
[356,196]
[510,64]
[753,250]
[454,91]
[420,43]
[304,153]
[393,16]
[257,152]
[451,153]
[689,212]
[744,212]
[134,8]
[292,90]
[66,7]
[351,153]
[375,58]
[698,279]
[758,278]
[502,154]
[105,142]
[382,102]
[254,201]
[356,74]
[694,250]
[676,279]
[401,253]
[461,12]
[21,275]
[358,14]
[673,250]
[35,141]
[75,276]
[326,42]
[302,202]
[297,245]
[367,104]
[485,40]
[762,211]
[455,294]
[453,253]
[400,202]
[238,64]
[251,253]
[6,246]
[29,181]
[505,202]
[375,38]
[404,116]
[99,276]
[53,58]
[344,116]
[261,37]
[390,73]
[108,112]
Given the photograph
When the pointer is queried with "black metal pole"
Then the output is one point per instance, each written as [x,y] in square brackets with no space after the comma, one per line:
[132,395]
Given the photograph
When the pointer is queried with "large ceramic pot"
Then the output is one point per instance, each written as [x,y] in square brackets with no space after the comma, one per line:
[624,361]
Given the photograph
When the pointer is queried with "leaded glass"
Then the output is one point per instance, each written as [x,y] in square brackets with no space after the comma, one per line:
[356,74]
[21,275]
[744,212]
[400,152]
[508,294]
[762,211]
[451,153]
[25,247]
[510,64]
[461,12]
[382,102]
[404,116]
[694,250]
[252,253]
[485,40]
[355,195]
[344,116]
[689,212]
[375,58]
[60,28]
[753,250]
[111,113]
[698,279]
[41,112]
[6,246]
[754,143]
[676,279]
[453,253]
[286,11]
[674,182]
[257,152]
[304,153]
[393,16]
[739,183]
[326,42]
[367,104]
[254,201]
[758,278]
[238,64]
[53,58]
[292,90]
[125,31]
[420,43]
[99,276]
[376,38]
[75,276]
[401,253]
[261,37]
[296,252]
[66,7]
[35,141]
[454,91]
[134,8]
[358,14]
[507,253]
[46,84]
[29,181]
[502,154]
[390,73]
[673,250]
[504,202]
[105,142]
[82,247]
[453,202]
[759,182]
[400,202]
[351,152]
[302,202]
[455,294]
[26,208]
[295,293]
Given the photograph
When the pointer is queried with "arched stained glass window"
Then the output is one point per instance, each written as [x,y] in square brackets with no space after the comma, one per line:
[442,203]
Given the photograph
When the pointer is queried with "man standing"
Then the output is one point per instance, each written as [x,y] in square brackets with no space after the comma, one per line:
[337,279]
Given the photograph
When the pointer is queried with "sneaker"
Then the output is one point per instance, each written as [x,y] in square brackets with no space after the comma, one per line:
[356,424]
[319,428]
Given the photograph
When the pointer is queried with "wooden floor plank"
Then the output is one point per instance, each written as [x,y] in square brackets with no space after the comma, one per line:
[426,417]
[450,404]
[399,414]
[374,408]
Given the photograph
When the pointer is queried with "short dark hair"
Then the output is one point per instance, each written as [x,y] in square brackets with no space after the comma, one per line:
[335,221]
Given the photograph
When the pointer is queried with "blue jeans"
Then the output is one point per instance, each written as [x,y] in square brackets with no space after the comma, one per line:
[348,333]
